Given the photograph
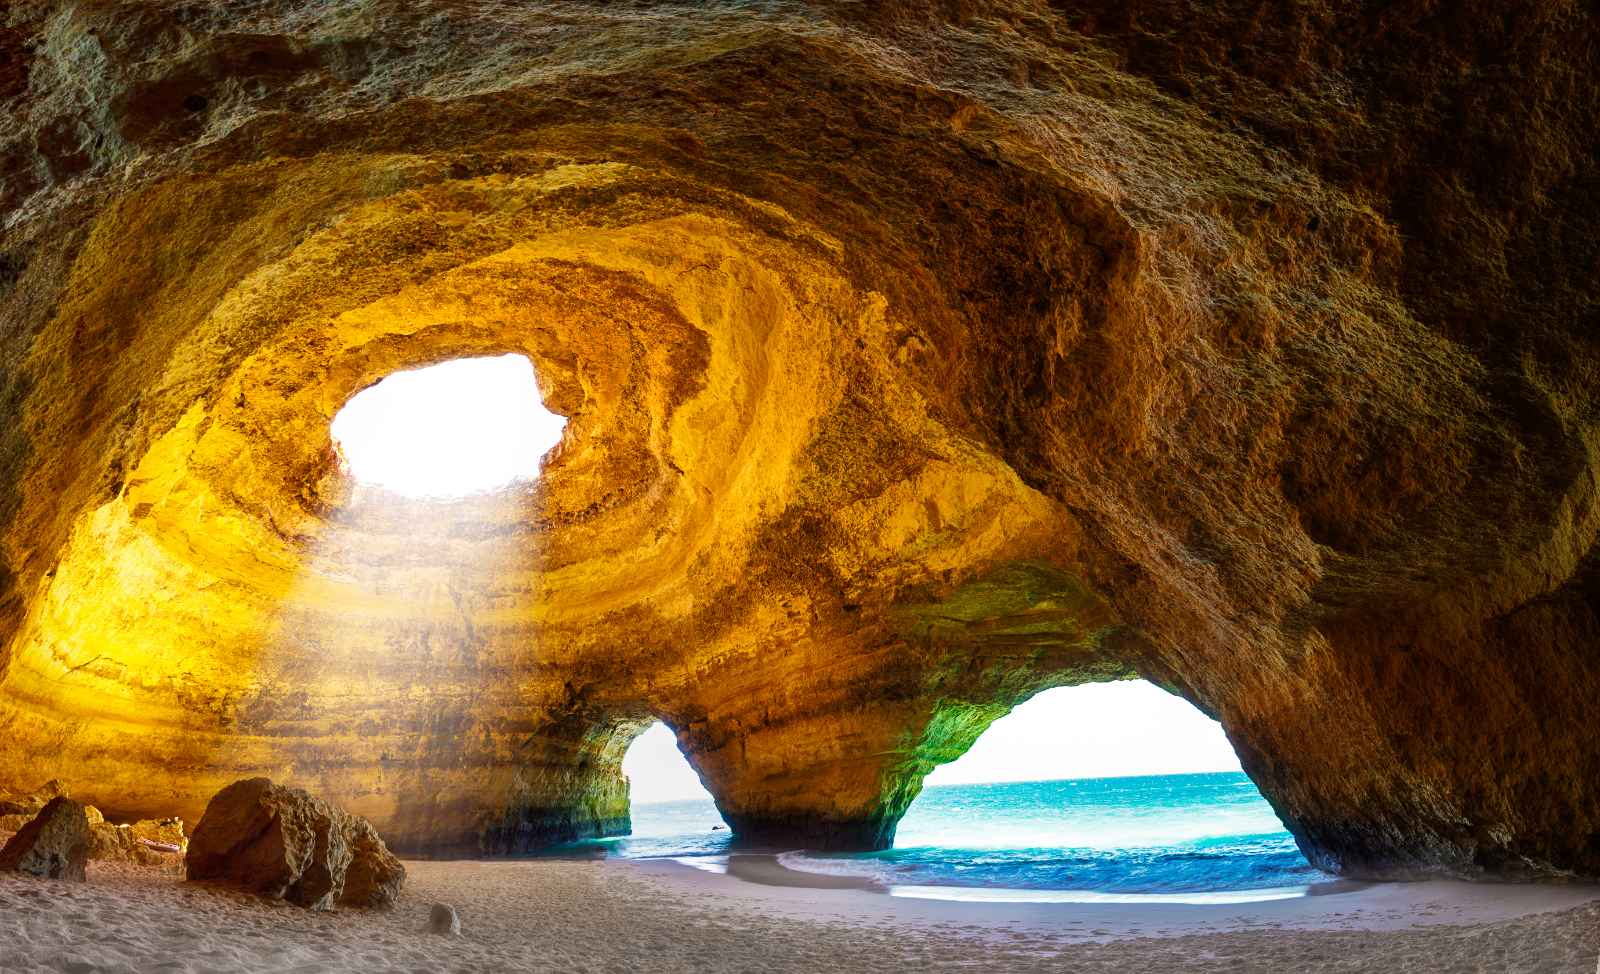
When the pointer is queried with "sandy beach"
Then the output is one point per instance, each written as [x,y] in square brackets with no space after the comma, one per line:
[613,916]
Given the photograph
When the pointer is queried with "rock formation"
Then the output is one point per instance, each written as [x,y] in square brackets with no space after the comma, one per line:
[146,842]
[918,356]
[53,845]
[116,843]
[160,832]
[134,844]
[284,844]
[374,878]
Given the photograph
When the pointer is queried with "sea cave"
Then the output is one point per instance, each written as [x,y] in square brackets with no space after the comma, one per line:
[902,361]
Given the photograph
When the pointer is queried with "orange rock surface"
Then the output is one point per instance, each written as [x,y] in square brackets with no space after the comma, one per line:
[917,356]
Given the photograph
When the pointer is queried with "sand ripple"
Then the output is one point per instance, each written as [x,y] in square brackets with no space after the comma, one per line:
[617,918]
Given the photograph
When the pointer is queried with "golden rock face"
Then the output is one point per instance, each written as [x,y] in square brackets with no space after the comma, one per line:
[915,360]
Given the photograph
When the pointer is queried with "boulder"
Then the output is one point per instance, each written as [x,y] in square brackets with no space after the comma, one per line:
[375,875]
[109,842]
[283,843]
[54,845]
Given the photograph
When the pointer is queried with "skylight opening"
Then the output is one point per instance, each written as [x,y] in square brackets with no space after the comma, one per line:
[454,429]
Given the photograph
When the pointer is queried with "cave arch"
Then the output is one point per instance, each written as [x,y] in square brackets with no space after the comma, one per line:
[658,771]
[1107,729]
[1094,735]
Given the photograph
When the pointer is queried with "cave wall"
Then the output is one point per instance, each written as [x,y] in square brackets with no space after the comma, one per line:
[918,357]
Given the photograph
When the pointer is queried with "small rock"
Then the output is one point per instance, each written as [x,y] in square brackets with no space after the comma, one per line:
[118,843]
[164,832]
[52,789]
[54,845]
[442,920]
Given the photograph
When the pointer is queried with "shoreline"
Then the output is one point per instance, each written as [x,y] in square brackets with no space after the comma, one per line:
[770,869]
[761,878]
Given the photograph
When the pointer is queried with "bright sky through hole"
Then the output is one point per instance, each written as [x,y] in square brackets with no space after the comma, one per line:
[658,770]
[1100,730]
[451,429]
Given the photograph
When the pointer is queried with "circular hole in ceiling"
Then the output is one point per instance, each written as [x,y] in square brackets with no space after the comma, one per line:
[461,427]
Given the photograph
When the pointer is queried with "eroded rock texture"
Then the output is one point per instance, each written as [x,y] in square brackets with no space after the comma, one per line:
[918,356]
[54,844]
[147,842]
[285,844]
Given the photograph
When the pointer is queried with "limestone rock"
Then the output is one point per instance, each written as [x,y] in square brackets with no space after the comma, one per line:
[164,832]
[54,845]
[120,843]
[282,843]
[30,803]
[110,842]
[443,920]
[918,356]
[375,875]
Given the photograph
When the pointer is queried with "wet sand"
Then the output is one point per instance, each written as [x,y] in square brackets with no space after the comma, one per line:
[662,916]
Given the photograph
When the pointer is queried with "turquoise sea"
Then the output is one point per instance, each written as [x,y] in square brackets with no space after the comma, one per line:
[1159,834]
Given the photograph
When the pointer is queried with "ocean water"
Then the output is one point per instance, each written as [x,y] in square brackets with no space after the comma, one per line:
[1161,836]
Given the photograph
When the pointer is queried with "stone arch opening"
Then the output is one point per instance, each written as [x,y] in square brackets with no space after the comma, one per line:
[658,771]
[1107,729]
[669,806]
[458,427]
[1116,787]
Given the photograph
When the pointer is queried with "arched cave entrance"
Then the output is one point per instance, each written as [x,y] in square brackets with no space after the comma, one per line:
[657,770]
[1099,790]
[669,806]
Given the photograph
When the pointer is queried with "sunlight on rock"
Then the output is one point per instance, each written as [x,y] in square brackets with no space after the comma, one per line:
[918,358]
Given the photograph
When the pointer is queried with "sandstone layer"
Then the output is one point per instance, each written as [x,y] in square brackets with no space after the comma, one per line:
[918,356]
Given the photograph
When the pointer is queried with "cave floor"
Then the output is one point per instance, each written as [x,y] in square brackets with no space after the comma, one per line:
[658,916]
